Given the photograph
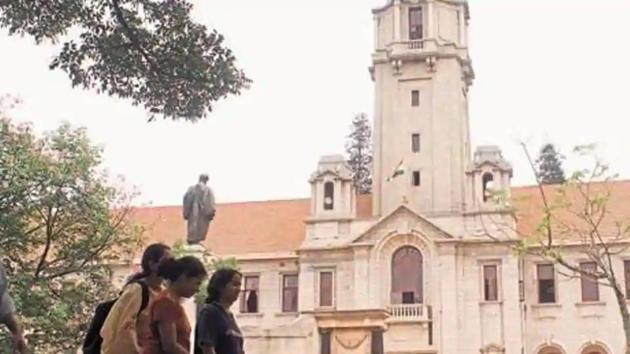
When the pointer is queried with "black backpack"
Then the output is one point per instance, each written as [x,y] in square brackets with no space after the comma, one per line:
[93,341]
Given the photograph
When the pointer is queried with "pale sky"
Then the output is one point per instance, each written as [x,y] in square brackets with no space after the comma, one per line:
[547,70]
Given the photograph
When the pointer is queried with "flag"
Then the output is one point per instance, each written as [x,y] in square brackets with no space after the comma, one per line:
[400,169]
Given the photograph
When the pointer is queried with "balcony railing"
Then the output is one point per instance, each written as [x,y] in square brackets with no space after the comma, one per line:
[417,44]
[410,313]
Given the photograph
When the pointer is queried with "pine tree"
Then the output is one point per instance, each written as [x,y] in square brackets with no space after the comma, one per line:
[359,149]
[549,165]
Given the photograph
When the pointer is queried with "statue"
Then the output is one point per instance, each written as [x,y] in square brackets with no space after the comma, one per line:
[199,210]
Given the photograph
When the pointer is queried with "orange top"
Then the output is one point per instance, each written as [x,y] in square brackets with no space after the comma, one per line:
[165,309]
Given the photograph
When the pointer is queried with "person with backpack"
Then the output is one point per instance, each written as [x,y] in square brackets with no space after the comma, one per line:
[8,315]
[121,326]
[170,328]
[216,331]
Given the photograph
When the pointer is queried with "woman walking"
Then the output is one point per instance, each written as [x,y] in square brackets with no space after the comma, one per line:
[127,325]
[170,328]
[216,331]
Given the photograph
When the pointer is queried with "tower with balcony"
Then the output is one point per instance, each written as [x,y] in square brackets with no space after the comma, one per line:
[422,72]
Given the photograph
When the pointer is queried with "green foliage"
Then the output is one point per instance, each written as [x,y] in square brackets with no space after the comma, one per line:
[359,150]
[149,51]
[61,224]
[549,165]
[223,263]
[213,265]
[211,262]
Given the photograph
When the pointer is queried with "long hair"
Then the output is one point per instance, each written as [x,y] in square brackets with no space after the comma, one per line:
[153,253]
[219,280]
[189,266]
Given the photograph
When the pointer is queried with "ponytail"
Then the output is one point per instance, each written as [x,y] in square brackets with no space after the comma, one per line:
[152,254]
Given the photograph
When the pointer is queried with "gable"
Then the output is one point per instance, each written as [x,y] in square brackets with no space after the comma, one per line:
[403,220]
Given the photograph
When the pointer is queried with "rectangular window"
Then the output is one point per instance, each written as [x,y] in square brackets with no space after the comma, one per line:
[408,297]
[490,283]
[590,288]
[415,23]
[415,142]
[325,289]
[415,98]
[546,284]
[415,178]
[250,294]
[626,271]
[290,293]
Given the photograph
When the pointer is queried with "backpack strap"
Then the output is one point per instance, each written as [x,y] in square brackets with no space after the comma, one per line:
[145,296]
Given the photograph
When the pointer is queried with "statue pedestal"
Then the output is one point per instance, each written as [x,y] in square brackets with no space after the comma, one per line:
[195,250]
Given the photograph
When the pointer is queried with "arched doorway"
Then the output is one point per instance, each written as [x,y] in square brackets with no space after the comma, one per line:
[407,287]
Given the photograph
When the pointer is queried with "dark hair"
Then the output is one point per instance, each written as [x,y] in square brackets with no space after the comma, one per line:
[219,280]
[189,266]
[152,254]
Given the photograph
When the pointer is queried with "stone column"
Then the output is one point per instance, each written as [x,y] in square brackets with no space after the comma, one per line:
[397,22]
[462,28]
[445,314]
[511,302]
[361,278]
[430,20]
[376,31]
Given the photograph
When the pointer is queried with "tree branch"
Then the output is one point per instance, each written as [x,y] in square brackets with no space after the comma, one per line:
[131,36]
[49,231]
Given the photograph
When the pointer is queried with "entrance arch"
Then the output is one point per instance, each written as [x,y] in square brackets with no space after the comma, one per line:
[407,276]
[595,348]
[551,348]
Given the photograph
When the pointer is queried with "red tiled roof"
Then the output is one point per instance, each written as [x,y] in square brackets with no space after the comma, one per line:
[566,220]
[278,226]
[240,228]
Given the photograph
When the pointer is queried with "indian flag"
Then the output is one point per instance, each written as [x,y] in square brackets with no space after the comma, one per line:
[400,170]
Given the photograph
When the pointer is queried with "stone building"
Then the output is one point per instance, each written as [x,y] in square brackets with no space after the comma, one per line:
[409,268]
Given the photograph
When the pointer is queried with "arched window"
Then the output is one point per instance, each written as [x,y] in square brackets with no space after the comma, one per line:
[407,276]
[329,196]
[488,181]
[594,349]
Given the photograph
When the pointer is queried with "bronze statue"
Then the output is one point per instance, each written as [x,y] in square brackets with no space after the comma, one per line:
[199,210]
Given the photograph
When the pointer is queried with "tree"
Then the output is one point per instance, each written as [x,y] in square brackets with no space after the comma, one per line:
[582,220]
[549,165]
[149,51]
[359,150]
[62,226]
